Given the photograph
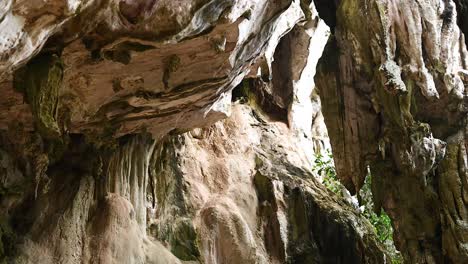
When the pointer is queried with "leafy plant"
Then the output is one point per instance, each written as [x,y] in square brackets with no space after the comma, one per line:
[382,223]
[325,167]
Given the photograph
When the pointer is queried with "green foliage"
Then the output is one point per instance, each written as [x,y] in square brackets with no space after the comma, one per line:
[325,167]
[381,222]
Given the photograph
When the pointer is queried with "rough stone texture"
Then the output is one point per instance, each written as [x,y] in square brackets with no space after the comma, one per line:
[137,66]
[285,216]
[392,83]
[95,164]
[111,148]
[240,191]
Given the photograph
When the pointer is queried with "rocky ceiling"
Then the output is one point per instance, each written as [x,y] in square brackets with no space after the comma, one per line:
[96,97]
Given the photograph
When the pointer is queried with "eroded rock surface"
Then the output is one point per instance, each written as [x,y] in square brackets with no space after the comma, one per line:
[122,140]
[212,198]
[392,82]
[97,167]
[285,216]
[134,66]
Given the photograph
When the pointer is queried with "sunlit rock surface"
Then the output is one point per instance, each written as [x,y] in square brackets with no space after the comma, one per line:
[240,191]
[162,131]
[134,66]
[111,149]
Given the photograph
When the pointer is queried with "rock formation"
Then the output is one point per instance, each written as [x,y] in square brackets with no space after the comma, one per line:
[162,131]
[394,98]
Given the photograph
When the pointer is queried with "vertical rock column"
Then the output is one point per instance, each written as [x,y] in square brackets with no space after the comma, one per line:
[127,174]
[392,83]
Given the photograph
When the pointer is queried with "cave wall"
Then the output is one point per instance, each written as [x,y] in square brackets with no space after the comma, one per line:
[112,150]
[212,199]
[392,82]
[121,140]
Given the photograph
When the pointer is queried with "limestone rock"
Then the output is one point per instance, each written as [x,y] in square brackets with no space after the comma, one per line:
[163,131]
[240,191]
[136,65]
[393,93]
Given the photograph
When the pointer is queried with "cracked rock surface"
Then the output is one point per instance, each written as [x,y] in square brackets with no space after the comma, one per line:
[394,98]
[135,66]
[185,131]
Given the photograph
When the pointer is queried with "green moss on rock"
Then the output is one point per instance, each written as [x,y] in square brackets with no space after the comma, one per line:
[40,82]
[184,241]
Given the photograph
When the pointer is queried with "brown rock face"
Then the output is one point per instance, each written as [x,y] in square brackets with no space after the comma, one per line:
[210,198]
[96,167]
[392,82]
[134,66]
[185,131]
